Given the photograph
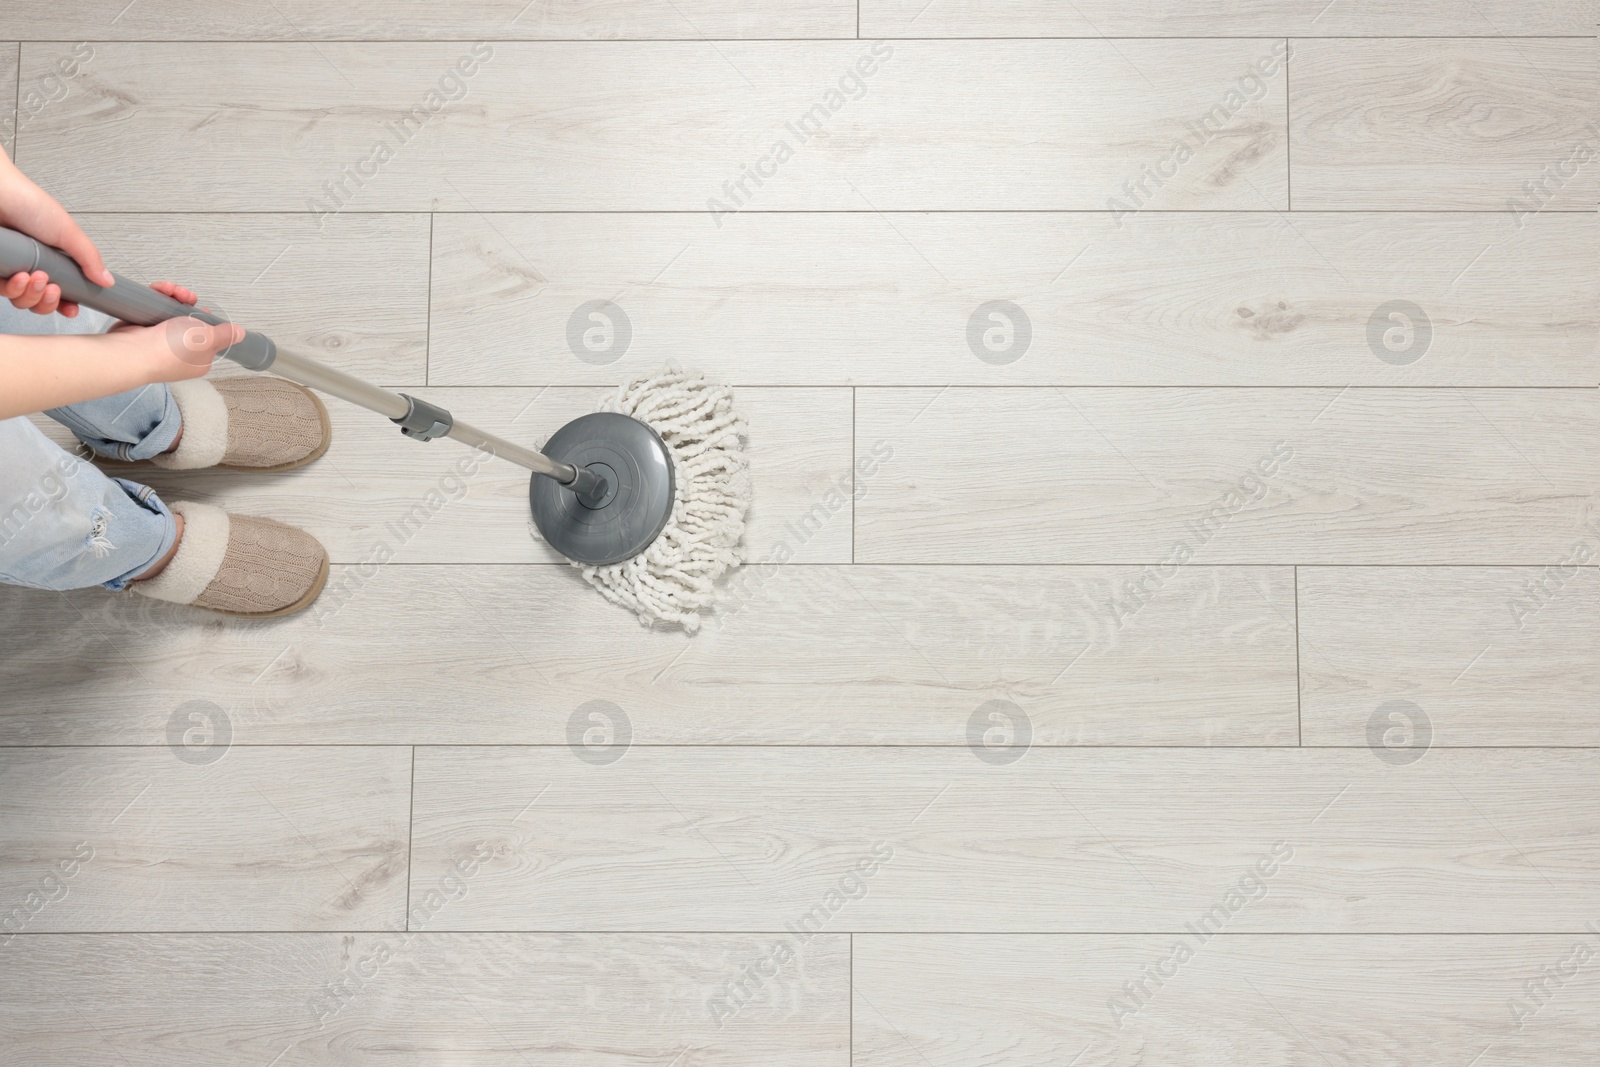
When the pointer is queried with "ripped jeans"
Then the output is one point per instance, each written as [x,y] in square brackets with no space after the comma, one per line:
[63,523]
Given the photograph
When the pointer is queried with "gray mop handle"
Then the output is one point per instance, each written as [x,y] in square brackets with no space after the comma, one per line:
[143,306]
[126,300]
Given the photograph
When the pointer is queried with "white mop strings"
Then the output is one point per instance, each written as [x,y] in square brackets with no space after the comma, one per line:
[674,579]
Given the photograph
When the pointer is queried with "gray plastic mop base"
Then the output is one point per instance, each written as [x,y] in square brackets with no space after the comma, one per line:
[635,460]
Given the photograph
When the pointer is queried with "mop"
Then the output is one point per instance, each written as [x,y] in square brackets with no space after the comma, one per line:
[646,496]
[674,579]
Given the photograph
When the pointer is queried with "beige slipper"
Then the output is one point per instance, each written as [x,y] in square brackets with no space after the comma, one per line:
[259,423]
[239,565]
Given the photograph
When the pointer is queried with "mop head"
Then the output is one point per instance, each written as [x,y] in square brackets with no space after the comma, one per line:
[674,580]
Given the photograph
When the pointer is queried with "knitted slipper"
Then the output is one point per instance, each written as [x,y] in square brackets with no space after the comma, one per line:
[239,565]
[259,424]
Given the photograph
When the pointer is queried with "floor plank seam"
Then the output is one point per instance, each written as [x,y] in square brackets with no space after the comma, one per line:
[1288,124]
[16,108]
[754,932]
[411,833]
[954,746]
[1096,386]
[427,336]
[1103,564]
[1299,701]
[840,39]
[1485,211]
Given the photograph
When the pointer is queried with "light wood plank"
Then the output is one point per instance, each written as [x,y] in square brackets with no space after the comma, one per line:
[1273,1001]
[1227,475]
[1111,840]
[353,293]
[377,496]
[1491,656]
[803,655]
[558,1000]
[387,20]
[1251,18]
[56,75]
[252,839]
[10,54]
[1150,299]
[1445,124]
[586,126]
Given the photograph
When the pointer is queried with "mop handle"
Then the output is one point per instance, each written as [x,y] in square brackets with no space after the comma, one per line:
[126,300]
[143,306]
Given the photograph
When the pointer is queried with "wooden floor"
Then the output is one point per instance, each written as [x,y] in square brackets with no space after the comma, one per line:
[1173,634]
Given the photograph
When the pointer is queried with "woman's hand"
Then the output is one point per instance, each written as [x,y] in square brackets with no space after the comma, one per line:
[177,349]
[26,207]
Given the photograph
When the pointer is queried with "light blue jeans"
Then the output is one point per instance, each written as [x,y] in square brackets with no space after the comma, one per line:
[63,523]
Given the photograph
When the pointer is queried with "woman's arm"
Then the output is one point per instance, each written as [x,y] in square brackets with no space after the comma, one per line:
[26,207]
[37,373]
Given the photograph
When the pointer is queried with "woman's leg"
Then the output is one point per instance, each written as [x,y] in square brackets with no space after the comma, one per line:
[129,426]
[65,525]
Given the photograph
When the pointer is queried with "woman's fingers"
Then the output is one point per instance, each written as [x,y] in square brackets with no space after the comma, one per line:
[32,290]
[75,243]
[174,290]
[49,300]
